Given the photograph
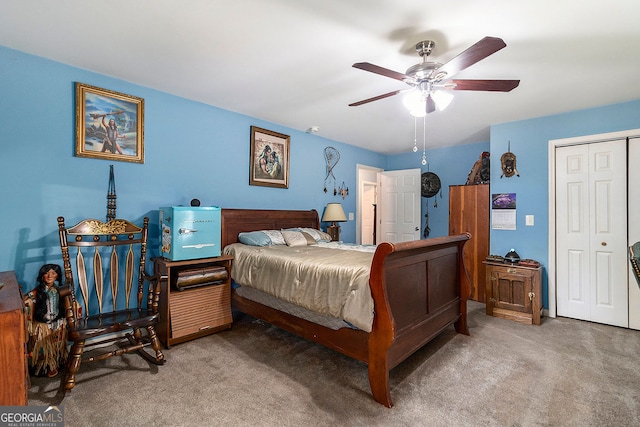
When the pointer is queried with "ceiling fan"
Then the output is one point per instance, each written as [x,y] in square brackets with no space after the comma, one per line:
[428,78]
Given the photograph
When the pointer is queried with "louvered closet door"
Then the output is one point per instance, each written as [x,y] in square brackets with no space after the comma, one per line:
[591,221]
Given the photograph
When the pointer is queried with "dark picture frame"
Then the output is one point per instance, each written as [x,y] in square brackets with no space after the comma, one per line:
[109,125]
[269,158]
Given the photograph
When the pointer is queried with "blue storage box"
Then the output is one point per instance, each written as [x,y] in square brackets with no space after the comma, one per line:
[189,232]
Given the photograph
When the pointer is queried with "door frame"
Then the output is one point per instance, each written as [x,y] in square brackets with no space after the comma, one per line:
[364,176]
[587,139]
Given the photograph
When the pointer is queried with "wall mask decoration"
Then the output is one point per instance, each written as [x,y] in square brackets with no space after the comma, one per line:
[508,161]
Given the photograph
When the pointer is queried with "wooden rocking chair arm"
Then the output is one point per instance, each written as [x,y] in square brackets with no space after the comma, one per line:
[151,277]
[64,290]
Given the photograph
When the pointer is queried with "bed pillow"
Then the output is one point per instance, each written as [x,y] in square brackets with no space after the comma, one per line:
[275,236]
[294,238]
[318,235]
[262,238]
[310,239]
[254,238]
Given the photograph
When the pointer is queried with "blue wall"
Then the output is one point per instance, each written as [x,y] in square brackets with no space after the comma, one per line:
[191,150]
[529,142]
[452,165]
[197,150]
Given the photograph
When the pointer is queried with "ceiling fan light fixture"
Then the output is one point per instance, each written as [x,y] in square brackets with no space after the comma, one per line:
[415,101]
[442,99]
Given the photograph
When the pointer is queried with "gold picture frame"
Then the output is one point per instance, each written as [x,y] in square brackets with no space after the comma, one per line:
[109,125]
[269,158]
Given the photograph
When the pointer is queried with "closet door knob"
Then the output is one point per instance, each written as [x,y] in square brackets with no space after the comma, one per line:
[604,243]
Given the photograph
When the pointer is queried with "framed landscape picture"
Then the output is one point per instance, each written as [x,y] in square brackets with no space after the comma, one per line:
[269,158]
[109,125]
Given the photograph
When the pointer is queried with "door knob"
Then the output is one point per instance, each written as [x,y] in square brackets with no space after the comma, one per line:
[604,243]
[417,228]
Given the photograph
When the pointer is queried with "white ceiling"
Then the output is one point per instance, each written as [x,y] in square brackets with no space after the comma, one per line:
[289,61]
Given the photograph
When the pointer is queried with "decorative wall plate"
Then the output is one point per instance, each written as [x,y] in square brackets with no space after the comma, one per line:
[430,184]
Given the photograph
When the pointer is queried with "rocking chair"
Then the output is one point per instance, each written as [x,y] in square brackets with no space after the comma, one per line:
[105,317]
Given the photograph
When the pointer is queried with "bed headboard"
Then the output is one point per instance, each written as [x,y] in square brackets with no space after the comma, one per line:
[236,221]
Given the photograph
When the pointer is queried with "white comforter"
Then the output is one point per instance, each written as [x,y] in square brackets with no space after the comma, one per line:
[328,281]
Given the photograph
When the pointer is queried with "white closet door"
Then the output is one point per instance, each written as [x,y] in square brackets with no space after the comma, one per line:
[591,225]
[634,228]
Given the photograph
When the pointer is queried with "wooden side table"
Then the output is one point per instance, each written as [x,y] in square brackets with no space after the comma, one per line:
[192,313]
[514,292]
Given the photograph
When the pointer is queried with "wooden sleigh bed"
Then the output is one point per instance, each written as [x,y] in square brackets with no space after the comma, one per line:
[417,289]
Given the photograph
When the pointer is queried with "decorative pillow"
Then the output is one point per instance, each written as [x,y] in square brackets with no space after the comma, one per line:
[294,238]
[310,239]
[275,236]
[318,235]
[254,238]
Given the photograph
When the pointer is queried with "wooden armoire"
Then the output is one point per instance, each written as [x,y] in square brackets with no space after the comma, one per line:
[469,212]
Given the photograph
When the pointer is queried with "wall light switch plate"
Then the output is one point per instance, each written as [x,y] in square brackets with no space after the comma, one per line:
[528,220]
[350,216]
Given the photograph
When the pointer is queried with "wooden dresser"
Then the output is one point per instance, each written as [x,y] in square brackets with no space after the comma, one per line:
[192,313]
[14,374]
[469,213]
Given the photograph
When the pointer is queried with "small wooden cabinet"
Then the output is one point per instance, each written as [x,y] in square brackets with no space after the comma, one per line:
[14,374]
[514,292]
[192,313]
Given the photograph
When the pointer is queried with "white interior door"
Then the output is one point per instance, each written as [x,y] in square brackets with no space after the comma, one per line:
[399,206]
[591,232]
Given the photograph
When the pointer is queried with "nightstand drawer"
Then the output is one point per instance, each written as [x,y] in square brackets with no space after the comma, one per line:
[199,309]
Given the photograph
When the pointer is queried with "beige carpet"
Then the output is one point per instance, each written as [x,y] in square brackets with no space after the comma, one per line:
[563,373]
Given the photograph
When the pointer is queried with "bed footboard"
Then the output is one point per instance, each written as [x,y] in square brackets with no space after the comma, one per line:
[418,291]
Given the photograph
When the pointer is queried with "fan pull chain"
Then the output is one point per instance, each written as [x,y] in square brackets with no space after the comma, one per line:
[424,140]
[415,134]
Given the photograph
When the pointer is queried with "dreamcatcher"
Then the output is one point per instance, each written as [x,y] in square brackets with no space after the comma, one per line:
[332,156]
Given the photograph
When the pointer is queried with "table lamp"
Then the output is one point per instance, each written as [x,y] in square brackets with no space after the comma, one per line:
[334,213]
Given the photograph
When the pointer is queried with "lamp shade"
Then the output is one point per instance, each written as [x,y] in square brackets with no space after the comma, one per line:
[334,213]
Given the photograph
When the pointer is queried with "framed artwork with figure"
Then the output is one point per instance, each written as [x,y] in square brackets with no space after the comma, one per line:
[269,158]
[109,125]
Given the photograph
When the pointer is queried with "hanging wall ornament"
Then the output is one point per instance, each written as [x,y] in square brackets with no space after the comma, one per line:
[111,196]
[430,184]
[343,190]
[426,230]
[332,157]
[508,161]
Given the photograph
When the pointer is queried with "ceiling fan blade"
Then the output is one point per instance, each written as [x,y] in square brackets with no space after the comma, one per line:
[484,85]
[366,66]
[375,98]
[477,52]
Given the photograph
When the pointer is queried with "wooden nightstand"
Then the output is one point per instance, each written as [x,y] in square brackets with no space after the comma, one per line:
[192,313]
[514,292]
